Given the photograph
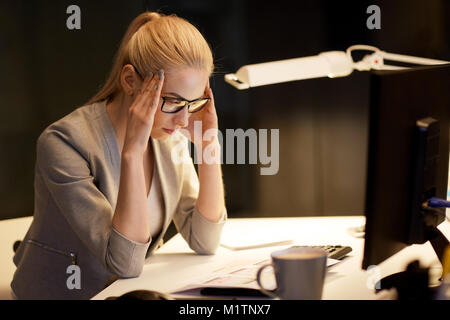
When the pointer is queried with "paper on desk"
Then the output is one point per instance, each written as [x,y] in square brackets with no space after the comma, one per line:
[236,277]
[251,240]
[254,244]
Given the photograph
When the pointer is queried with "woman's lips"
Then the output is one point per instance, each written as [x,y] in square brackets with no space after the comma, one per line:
[168,131]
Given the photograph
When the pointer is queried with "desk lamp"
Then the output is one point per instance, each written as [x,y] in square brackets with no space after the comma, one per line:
[330,64]
[335,64]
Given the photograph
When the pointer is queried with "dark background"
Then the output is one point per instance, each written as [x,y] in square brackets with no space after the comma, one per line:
[47,71]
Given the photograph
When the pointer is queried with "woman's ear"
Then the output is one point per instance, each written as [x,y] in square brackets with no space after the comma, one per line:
[129,80]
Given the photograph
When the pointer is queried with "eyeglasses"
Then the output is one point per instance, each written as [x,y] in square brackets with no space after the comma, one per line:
[173,105]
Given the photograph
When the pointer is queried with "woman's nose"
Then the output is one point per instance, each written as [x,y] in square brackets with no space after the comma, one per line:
[182,118]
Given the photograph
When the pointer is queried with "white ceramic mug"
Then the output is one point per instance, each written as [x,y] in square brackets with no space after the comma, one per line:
[299,273]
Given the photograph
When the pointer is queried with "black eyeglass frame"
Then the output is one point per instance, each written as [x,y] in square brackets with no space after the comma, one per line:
[186,103]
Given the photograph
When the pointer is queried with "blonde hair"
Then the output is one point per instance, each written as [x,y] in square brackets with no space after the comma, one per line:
[155,41]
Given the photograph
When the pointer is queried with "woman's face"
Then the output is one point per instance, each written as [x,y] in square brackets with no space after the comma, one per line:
[184,84]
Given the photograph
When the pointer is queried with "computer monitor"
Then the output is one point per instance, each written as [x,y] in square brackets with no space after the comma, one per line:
[408,159]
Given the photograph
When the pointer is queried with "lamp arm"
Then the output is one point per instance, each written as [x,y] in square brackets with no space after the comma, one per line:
[376,60]
[411,59]
[326,64]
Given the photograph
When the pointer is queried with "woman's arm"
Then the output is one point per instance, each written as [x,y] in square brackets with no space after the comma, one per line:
[211,198]
[62,170]
[201,215]
[131,213]
[211,202]
[202,212]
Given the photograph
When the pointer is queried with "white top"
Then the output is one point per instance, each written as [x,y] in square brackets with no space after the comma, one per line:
[155,205]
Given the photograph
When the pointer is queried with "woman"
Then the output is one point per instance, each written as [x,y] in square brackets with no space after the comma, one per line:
[107,184]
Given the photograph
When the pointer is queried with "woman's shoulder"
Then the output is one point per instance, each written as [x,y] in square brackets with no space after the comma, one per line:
[79,128]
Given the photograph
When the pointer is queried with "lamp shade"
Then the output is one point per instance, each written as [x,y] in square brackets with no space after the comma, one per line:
[327,64]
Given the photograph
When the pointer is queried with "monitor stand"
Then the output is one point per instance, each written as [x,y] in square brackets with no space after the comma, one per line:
[439,242]
[413,284]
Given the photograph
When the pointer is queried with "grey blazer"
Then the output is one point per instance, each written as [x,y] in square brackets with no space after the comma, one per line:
[76,185]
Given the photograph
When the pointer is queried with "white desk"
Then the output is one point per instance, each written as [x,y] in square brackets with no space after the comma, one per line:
[174,265]
[11,230]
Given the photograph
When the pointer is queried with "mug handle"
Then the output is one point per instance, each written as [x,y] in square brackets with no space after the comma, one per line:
[258,279]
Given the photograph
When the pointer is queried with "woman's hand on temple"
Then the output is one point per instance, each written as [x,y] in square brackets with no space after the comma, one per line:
[208,118]
[141,114]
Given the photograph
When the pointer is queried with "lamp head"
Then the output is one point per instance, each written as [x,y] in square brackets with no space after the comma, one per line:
[331,64]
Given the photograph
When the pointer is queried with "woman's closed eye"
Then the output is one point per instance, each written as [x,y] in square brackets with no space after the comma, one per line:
[174,99]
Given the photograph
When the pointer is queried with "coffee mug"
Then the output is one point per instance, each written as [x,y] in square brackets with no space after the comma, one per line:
[299,273]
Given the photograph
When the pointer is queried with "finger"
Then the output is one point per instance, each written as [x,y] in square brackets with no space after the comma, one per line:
[143,90]
[157,85]
[211,103]
[209,93]
[147,87]
[207,87]
[160,81]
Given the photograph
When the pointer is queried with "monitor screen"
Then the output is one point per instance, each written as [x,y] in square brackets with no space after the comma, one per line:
[408,157]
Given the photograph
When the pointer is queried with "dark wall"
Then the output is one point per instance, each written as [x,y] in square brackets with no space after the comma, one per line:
[47,71]
[324,122]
